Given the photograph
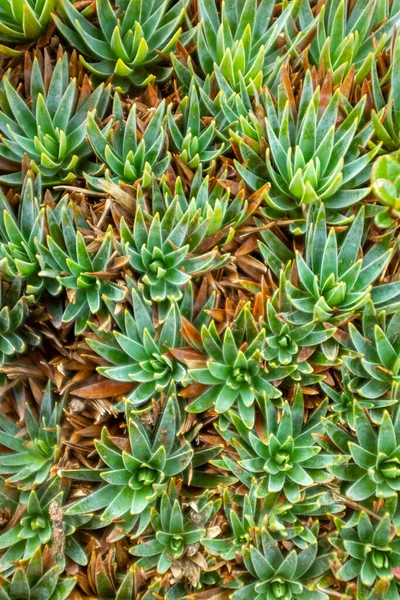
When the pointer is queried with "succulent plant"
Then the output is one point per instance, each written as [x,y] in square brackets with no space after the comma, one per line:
[19,235]
[238,44]
[110,586]
[308,157]
[26,20]
[66,259]
[373,360]
[233,370]
[194,142]
[15,334]
[200,300]
[386,187]
[243,516]
[208,201]
[248,516]
[140,353]
[38,579]
[128,41]
[372,550]
[385,118]
[174,530]
[288,342]
[369,462]
[285,521]
[136,475]
[163,252]
[127,156]
[343,399]
[33,528]
[344,37]
[51,129]
[275,574]
[282,454]
[31,456]
[332,281]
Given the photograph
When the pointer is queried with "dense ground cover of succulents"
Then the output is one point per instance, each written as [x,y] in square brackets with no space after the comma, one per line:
[199,300]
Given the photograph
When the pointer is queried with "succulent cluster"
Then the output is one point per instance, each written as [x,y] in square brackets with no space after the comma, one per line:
[199,300]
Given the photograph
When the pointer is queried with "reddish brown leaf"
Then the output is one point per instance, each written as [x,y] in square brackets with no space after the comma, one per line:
[190,333]
[192,390]
[104,389]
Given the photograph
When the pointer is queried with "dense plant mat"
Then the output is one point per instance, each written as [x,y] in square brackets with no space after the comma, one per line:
[199,300]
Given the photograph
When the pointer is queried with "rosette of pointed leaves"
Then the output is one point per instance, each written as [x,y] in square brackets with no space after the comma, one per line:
[36,581]
[135,475]
[139,351]
[66,259]
[244,516]
[238,44]
[230,110]
[343,399]
[195,142]
[31,454]
[373,469]
[235,372]
[372,549]
[129,40]
[373,361]
[282,342]
[174,530]
[163,251]
[274,574]
[288,342]
[24,20]
[286,521]
[197,474]
[104,586]
[15,334]
[126,155]
[227,109]
[248,515]
[308,156]
[333,281]
[344,36]
[208,200]
[51,129]
[385,179]
[34,525]
[20,234]
[282,454]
